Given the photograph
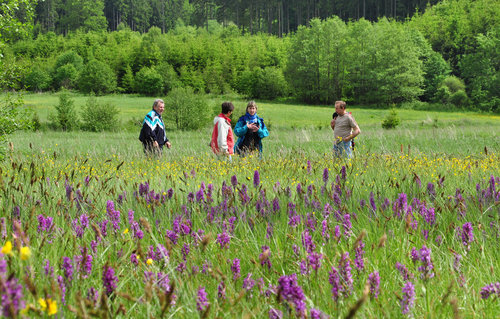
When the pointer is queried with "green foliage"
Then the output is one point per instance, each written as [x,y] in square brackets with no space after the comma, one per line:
[451,26]
[453,84]
[16,18]
[35,120]
[65,76]
[15,23]
[170,79]
[37,80]
[268,83]
[459,98]
[375,63]
[481,70]
[436,69]
[127,80]
[97,77]
[192,78]
[452,91]
[148,82]
[188,111]
[66,117]
[13,117]
[69,57]
[97,116]
[66,69]
[392,120]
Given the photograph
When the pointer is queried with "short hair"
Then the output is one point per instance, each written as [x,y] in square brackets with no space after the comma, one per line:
[341,104]
[156,102]
[227,107]
[250,104]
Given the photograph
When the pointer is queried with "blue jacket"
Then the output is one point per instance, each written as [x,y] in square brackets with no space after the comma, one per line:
[241,130]
[153,129]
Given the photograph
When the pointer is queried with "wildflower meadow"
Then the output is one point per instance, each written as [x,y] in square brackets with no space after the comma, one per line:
[382,235]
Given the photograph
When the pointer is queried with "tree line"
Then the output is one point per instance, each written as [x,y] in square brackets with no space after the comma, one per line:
[447,55]
[276,17]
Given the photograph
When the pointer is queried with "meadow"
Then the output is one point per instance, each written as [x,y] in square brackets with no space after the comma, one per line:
[409,228]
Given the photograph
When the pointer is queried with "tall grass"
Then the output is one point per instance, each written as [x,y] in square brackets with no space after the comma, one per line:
[186,202]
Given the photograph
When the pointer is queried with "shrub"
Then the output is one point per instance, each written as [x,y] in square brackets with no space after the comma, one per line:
[169,77]
[268,83]
[459,98]
[37,80]
[69,57]
[66,69]
[97,77]
[66,117]
[148,82]
[99,117]
[192,78]
[391,120]
[452,91]
[127,80]
[65,76]
[454,84]
[35,122]
[186,109]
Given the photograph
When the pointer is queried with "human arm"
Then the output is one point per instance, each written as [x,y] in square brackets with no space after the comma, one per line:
[332,124]
[355,132]
[262,131]
[241,128]
[223,130]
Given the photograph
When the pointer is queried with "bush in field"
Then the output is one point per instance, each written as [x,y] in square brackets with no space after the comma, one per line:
[66,118]
[267,83]
[66,69]
[97,117]
[37,80]
[459,98]
[35,121]
[69,57]
[97,77]
[65,76]
[391,120]
[452,91]
[270,84]
[148,82]
[188,110]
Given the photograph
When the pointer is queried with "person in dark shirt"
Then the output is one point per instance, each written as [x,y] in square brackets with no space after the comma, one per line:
[152,134]
[250,130]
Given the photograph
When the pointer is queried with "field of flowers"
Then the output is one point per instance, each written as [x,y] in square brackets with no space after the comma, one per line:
[379,236]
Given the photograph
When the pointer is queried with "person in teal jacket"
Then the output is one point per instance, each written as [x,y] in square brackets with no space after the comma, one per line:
[250,130]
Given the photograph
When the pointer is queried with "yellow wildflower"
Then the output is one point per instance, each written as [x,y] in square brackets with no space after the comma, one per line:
[25,253]
[48,305]
[42,303]
[7,248]
[52,307]
[125,231]
[149,261]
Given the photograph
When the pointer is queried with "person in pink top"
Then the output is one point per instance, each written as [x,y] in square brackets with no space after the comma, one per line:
[222,142]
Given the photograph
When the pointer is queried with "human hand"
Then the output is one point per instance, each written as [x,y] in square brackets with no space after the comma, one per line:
[168,145]
[155,144]
[332,124]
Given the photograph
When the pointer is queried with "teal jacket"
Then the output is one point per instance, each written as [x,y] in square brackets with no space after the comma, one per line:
[241,130]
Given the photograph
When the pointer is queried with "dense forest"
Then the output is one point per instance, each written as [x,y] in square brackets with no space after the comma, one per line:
[276,17]
[366,52]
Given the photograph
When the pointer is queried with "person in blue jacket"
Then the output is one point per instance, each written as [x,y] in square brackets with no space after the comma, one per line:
[250,130]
